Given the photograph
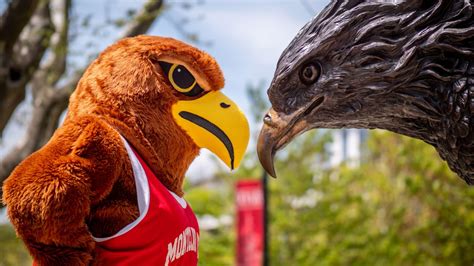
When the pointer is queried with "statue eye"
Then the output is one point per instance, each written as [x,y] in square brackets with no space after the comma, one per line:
[181,79]
[309,73]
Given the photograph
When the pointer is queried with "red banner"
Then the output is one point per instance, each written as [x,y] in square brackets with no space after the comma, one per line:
[249,197]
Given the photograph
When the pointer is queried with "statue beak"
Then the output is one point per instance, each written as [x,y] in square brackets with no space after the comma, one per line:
[277,131]
[216,123]
[266,149]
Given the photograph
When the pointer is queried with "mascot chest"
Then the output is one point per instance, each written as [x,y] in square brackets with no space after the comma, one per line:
[165,232]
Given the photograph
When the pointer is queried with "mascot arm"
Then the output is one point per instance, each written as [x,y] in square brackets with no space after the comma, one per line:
[50,193]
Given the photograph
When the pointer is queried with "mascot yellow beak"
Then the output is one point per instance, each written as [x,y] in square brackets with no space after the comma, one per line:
[216,123]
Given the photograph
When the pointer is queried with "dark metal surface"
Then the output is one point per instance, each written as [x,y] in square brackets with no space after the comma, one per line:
[406,66]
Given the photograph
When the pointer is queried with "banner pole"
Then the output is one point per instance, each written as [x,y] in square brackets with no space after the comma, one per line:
[265,218]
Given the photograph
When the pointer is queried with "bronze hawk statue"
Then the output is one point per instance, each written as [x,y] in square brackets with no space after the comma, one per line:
[404,65]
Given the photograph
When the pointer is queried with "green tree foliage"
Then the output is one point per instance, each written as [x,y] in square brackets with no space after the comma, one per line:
[402,206]
[216,246]
[12,251]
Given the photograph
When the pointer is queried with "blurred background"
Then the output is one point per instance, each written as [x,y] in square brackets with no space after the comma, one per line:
[343,197]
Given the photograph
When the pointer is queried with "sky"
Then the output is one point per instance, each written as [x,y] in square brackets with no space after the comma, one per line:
[245,36]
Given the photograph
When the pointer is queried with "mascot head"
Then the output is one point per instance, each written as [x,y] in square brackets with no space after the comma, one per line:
[164,97]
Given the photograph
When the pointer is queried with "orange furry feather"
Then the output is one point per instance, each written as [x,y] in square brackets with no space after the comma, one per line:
[80,183]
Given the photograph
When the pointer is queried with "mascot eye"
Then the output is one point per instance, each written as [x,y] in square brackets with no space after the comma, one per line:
[309,73]
[181,79]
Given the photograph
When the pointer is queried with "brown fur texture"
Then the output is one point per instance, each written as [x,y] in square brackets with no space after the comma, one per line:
[81,183]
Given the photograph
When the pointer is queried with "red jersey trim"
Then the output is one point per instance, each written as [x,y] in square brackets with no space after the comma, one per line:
[165,232]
